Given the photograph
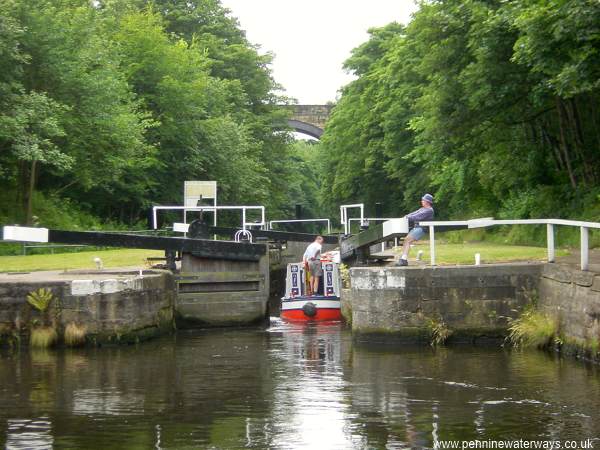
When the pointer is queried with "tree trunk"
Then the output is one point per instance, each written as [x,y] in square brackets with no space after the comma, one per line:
[563,143]
[578,140]
[22,190]
[31,189]
[555,151]
[588,147]
[594,115]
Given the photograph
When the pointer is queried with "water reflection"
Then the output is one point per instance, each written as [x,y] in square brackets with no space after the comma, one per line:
[309,392]
[29,433]
[291,386]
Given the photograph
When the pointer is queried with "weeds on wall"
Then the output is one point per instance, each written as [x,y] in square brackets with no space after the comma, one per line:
[43,333]
[438,331]
[345,275]
[533,329]
[75,334]
[42,337]
[40,299]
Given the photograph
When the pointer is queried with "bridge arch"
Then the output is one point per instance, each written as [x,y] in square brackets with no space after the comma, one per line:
[306,128]
[309,119]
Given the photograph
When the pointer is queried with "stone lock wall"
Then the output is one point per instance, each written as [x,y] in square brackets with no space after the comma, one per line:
[573,298]
[112,307]
[472,301]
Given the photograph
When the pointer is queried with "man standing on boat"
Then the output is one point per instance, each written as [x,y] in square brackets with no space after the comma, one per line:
[312,259]
[422,214]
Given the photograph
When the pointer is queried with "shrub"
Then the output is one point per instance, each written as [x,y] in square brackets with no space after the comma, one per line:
[42,337]
[75,335]
[532,329]
[40,299]
[439,332]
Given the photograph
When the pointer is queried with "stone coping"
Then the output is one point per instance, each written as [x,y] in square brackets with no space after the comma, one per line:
[58,276]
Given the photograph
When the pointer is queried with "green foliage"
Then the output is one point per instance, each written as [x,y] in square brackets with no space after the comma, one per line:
[345,275]
[305,174]
[111,105]
[490,105]
[439,331]
[75,334]
[40,299]
[532,329]
[42,337]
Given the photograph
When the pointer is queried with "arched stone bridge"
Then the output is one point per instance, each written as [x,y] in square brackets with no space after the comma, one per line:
[309,119]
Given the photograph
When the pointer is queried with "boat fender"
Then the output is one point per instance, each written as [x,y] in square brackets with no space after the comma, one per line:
[310,309]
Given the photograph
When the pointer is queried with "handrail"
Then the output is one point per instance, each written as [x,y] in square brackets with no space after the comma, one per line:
[271,222]
[344,215]
[212,209]
[374,219]
[584,227]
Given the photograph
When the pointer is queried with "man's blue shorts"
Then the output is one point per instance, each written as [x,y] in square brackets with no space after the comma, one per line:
[416,233]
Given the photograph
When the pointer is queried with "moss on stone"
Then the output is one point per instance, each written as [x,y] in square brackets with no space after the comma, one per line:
[166,320]
[423,335]
[588,349]
[124,337]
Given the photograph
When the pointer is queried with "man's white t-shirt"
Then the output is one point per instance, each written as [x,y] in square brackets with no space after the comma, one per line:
[312,251]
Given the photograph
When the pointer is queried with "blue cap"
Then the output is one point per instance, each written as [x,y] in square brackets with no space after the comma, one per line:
[428,198]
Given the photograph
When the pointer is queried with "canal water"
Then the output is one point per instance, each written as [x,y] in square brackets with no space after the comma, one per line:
[290,387]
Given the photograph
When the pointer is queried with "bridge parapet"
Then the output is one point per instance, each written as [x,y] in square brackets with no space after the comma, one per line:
[314,114]
[309,119]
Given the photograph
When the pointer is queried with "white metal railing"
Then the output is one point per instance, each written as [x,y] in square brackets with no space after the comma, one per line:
[370,219]
[271,222]
[344,215]
[550,223]
[213,209]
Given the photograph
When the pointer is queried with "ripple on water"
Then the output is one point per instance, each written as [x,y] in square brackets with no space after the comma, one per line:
[289,386]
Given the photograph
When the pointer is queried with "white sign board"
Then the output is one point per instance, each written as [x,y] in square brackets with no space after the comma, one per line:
[181,227]
[25,234]
[193,191]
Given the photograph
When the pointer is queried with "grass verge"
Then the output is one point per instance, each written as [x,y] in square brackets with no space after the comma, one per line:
[490,253]
[80,260]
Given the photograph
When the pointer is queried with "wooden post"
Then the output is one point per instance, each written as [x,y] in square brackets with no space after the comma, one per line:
[550,242]
[584,248]
[432,244]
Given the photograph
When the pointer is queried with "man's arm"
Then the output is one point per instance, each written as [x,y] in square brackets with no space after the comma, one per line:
[420,214]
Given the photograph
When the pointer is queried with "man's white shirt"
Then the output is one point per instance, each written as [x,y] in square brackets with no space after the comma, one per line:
[312,251]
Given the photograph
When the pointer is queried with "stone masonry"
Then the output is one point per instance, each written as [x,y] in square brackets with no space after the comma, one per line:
[472,301]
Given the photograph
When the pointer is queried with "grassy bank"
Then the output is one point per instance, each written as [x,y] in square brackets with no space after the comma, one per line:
[446,253]
[464,253]
[80,260]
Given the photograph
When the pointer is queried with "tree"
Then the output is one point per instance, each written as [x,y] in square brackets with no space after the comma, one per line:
[490,104]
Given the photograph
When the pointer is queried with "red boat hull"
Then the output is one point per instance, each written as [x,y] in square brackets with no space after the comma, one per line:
[311,309]
[323,314]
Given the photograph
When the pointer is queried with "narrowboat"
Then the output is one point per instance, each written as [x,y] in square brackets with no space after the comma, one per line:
[299,305]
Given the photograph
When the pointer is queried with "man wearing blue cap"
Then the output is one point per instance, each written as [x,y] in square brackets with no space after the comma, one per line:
[422,214]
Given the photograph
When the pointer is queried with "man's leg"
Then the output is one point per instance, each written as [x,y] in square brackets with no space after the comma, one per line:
[414,235]
[316,286]
[406,246]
